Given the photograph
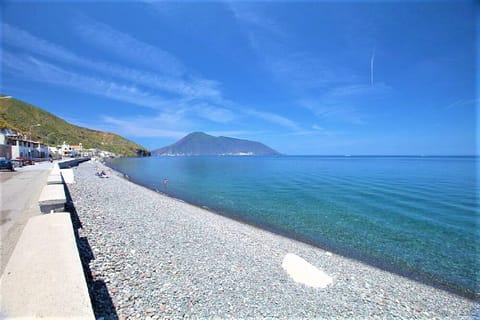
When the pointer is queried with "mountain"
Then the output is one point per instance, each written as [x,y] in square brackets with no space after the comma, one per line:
[19,116]
[202,144]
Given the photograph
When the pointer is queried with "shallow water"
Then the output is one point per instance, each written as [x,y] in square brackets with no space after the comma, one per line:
[417,216]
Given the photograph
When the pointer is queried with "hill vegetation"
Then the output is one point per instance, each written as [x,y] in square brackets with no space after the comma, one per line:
[199,143]
[19,116]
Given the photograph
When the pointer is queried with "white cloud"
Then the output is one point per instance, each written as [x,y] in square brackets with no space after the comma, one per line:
[303,70]
[333,111]
[182,99]
[22,39]
[332,91]
[159,127]
[142,128]
[192,88]
[172,118]
[357,90]
[182,113]
[39,70]
[175,113]
[214,114]
[243,11]
[234,133]
[124,45]
[299,69]
[346,103]
[273,118]
[463,103]
[315,131]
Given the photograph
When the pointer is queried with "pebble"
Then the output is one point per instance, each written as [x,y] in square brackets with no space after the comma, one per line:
[150,310]
[156,257]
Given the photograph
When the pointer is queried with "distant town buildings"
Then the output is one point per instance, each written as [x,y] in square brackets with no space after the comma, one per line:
[14,145]
[66,150]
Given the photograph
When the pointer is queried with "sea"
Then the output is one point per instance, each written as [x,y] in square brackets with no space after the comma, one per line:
[415,216]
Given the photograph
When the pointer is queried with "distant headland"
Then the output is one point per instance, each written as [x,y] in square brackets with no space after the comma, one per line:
[202,144]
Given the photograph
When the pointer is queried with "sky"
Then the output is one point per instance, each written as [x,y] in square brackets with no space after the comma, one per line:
[312,77]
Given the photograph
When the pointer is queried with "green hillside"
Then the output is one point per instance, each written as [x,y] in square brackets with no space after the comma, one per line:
[18,115]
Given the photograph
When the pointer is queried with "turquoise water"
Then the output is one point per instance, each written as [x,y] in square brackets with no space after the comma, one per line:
[415,216]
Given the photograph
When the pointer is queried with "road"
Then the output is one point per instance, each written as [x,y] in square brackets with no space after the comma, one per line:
[19,193]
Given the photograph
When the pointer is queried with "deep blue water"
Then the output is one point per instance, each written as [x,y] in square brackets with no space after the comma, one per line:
[414,215]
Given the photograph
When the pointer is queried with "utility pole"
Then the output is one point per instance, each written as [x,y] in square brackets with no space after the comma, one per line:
[30,142]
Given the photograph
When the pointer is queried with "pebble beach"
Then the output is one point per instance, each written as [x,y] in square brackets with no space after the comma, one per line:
[150,256]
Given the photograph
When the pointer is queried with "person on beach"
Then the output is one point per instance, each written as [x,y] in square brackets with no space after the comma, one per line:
[165,182]
[101,174]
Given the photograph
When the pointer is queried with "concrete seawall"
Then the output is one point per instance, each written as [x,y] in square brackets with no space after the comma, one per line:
[64,164]
[44,277]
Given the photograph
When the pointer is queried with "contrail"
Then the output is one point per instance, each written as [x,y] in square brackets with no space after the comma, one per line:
[372,60]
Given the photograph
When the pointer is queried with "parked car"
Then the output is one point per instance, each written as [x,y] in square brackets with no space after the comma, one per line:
[6,164]
[17,163]
[24,162]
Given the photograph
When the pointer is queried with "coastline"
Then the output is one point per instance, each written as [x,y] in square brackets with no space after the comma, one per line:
[163,257]
[402,270]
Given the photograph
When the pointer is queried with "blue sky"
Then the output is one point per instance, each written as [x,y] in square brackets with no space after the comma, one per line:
[322,78]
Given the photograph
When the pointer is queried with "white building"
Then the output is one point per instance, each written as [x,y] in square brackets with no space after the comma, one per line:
[16,145]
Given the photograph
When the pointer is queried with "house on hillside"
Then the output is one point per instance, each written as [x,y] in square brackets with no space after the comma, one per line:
[77,150]
[55,152]
[67,150]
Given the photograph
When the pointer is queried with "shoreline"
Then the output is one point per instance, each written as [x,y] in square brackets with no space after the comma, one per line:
[196,240]
[412,274]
